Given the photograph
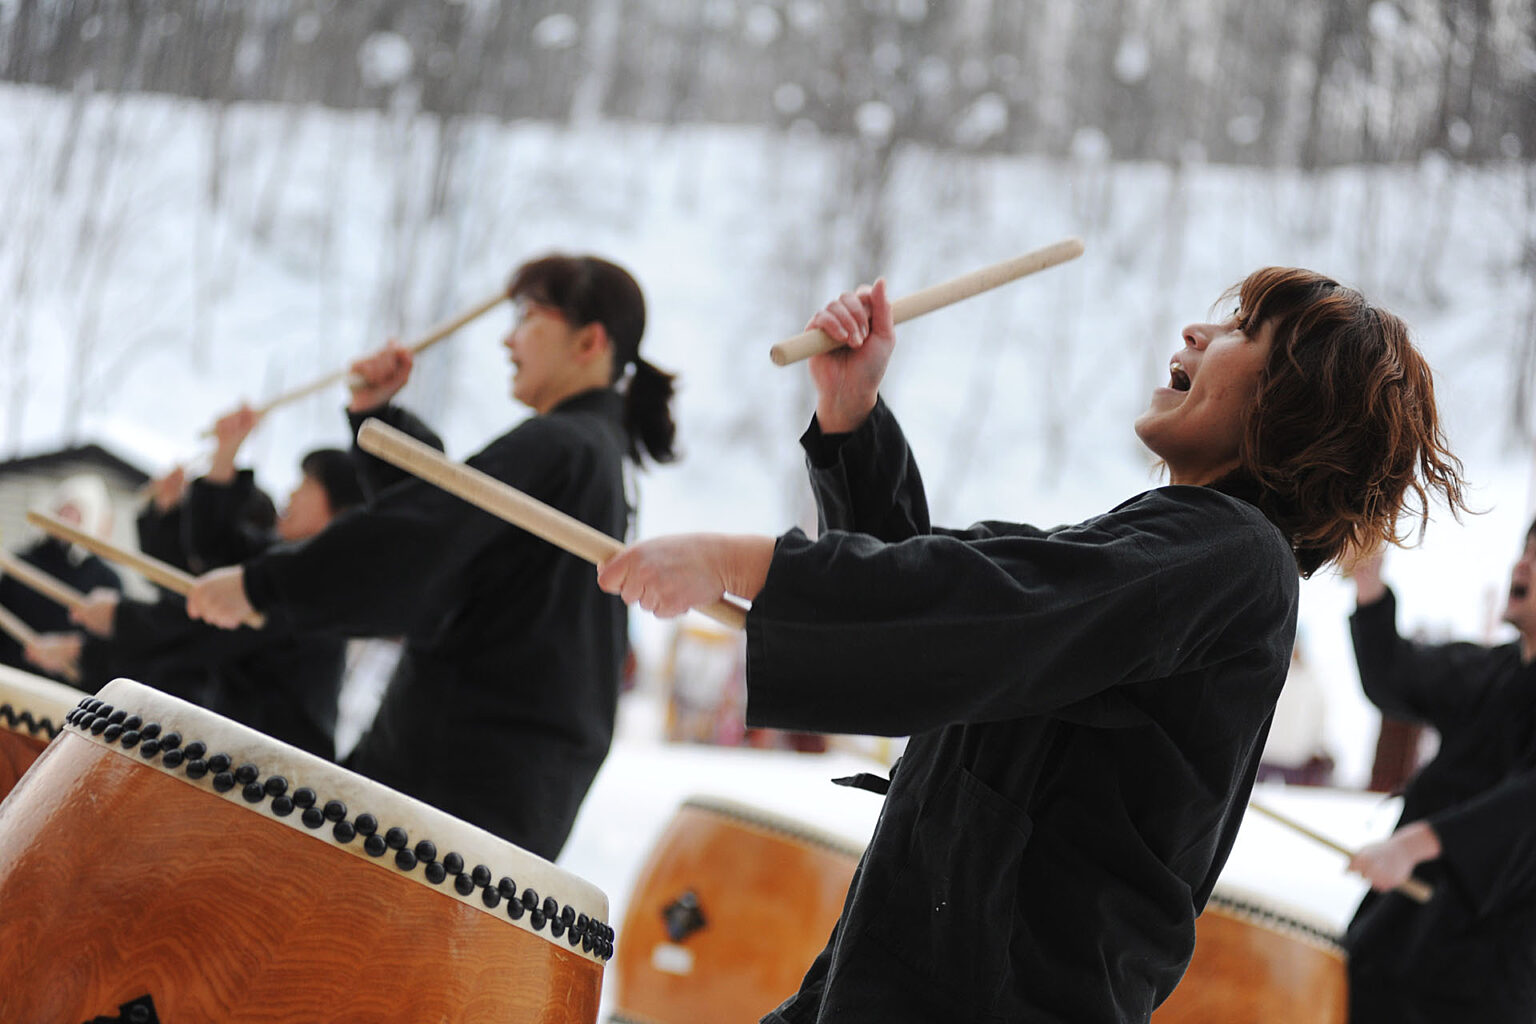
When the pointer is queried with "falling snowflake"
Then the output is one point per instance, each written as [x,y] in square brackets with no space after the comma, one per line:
[875,120]
[985,119]
[385,59]
[556,32]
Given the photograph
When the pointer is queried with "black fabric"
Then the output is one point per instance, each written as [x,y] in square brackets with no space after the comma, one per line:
[336,472]
[1470,953]
[1087,707]
[84,572]
[160,534]
[277,680]
[216,527]
[501,708]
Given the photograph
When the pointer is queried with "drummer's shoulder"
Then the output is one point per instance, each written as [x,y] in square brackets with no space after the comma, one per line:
[1200,513]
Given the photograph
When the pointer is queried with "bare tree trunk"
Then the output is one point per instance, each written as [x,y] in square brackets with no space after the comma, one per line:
[604,18]
[1523,418]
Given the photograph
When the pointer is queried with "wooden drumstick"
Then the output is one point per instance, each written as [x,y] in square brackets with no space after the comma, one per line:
[420,345]
[908,307]
[152,569]
[44,583]
[1414,889]
[25,635]
[509,503]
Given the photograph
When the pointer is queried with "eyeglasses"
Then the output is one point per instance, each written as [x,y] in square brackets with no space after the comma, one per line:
[523,308]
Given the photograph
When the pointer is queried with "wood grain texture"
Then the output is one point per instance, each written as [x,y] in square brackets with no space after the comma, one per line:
[1247,973]
[119,881]
[17,752]
[770,901]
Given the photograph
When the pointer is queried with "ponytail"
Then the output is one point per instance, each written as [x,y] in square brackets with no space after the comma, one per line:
[648,413]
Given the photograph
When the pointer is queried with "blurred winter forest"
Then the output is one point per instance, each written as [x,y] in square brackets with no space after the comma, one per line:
[214,197]
[1309,84]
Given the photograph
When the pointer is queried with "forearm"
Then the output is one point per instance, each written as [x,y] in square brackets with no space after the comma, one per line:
[841,414]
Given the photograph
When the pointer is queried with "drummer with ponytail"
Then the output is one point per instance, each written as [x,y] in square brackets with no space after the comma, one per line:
[501,709]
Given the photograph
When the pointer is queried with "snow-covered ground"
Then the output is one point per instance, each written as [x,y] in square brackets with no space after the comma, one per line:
[162,260]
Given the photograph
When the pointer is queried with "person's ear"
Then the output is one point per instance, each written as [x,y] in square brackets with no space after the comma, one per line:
[592,341]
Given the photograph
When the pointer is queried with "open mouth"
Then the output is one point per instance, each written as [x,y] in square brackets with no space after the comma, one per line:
[1178,380]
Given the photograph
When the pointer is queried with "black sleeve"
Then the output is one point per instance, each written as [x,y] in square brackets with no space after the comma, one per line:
[867,481]
[1439,684]
[1488,844]
[160,535]
[364,573]
[10,649]
[94,573]
[156,629]
[376,475]
[851,634]
[214,522]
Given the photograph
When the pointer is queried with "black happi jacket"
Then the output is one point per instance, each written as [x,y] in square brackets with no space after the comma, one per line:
[502,705]
[1470,953]
[1087,708]
[277,680]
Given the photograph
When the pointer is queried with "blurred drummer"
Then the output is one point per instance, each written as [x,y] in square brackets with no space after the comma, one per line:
[1087,704]
[276,680]
[82,501]
[501,708]
[1466,827]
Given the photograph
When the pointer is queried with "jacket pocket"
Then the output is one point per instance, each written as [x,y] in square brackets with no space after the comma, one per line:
[950,913]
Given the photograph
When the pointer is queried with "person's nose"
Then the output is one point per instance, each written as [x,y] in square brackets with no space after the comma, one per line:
[1198,336]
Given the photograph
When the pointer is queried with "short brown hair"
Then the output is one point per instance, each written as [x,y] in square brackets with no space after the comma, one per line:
[1343,437]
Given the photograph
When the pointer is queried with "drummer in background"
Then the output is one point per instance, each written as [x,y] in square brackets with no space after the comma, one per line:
[501,708]
[159,522]
[162,528]
[82,501]
[276,680]
[1467,825]
[1087,704]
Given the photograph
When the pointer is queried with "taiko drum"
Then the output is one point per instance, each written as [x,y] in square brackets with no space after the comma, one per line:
[162,863]
[32,710]
[1256,962]
[730,909]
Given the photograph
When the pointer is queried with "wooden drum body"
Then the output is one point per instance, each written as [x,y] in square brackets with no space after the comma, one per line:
[32,711]
[1255,963]
[160,862]
[727,914]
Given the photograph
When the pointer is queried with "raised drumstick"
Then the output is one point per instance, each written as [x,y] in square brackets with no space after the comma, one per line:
[44,583]
[152,569]
[25,635]
[507,502]
[815,342]
[420,345]
[1414,889]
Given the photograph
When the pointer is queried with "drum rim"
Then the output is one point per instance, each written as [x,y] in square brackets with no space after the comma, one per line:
[124,711]
[33,705]
[1257,908]
[775,822]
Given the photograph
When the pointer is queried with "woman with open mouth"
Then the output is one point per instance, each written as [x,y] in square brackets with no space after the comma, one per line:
[1087,704]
